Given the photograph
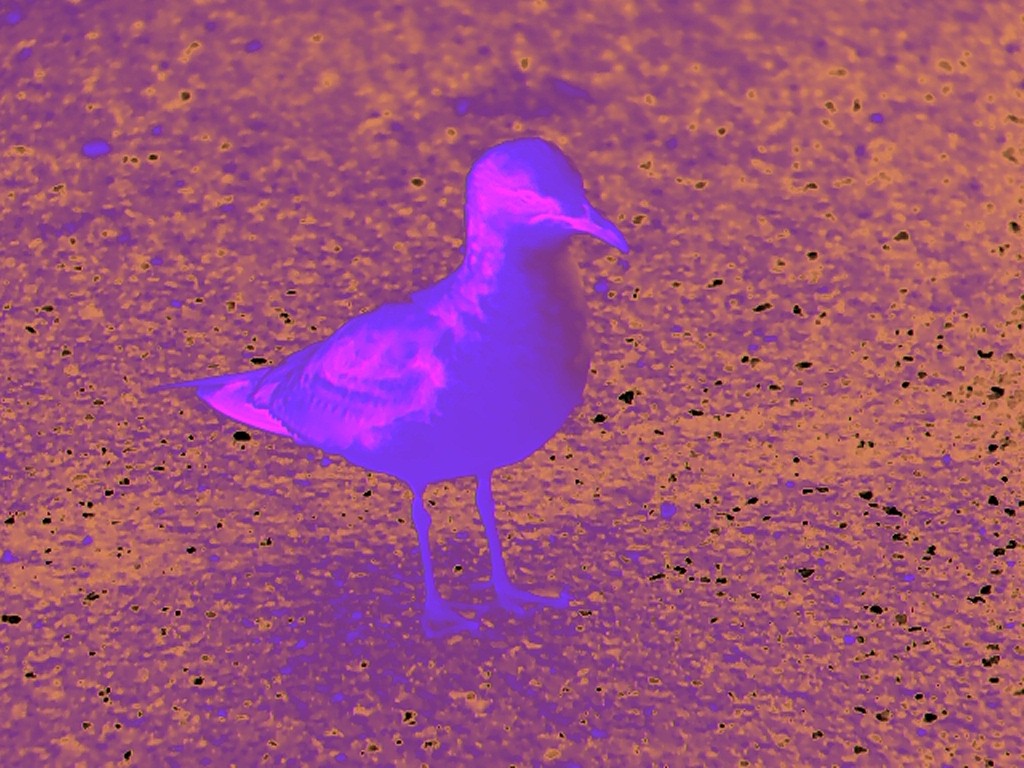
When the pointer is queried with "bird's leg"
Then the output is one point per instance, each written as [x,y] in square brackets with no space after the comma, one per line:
[439,618]
[510,596]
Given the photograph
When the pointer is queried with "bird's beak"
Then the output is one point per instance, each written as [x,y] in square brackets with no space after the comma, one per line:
[590,223]
[597,225]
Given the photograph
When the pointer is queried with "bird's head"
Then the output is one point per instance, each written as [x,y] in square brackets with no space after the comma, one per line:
[528,192]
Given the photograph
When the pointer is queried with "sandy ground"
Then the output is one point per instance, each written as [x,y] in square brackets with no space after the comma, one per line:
[787,513]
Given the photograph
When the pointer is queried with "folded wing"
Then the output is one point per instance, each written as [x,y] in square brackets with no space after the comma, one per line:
[373,373]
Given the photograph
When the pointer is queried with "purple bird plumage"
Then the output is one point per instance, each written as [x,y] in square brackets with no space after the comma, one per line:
[470,374]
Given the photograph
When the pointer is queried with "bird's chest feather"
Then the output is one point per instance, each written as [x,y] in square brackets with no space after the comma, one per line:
[529,353]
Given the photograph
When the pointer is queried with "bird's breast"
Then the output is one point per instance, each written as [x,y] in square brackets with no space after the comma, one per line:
[520,370]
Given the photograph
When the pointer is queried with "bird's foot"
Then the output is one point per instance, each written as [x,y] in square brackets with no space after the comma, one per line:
[516,600]
[440,619]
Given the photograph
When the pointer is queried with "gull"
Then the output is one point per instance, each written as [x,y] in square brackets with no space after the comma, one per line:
[471,374]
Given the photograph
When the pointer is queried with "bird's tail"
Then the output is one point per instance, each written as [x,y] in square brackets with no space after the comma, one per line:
[232,395]
[197,384]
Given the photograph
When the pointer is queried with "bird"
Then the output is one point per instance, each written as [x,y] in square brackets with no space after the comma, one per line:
[468,375]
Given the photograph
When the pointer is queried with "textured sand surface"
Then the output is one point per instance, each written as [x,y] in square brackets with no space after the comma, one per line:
[788,511]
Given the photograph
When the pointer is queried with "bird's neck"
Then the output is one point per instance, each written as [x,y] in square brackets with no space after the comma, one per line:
[509,272]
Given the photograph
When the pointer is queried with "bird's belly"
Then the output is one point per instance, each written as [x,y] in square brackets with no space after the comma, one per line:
[523,377]
[498,414]
[523,398]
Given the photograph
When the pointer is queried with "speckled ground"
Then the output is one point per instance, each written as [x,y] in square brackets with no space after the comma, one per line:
[788,512]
